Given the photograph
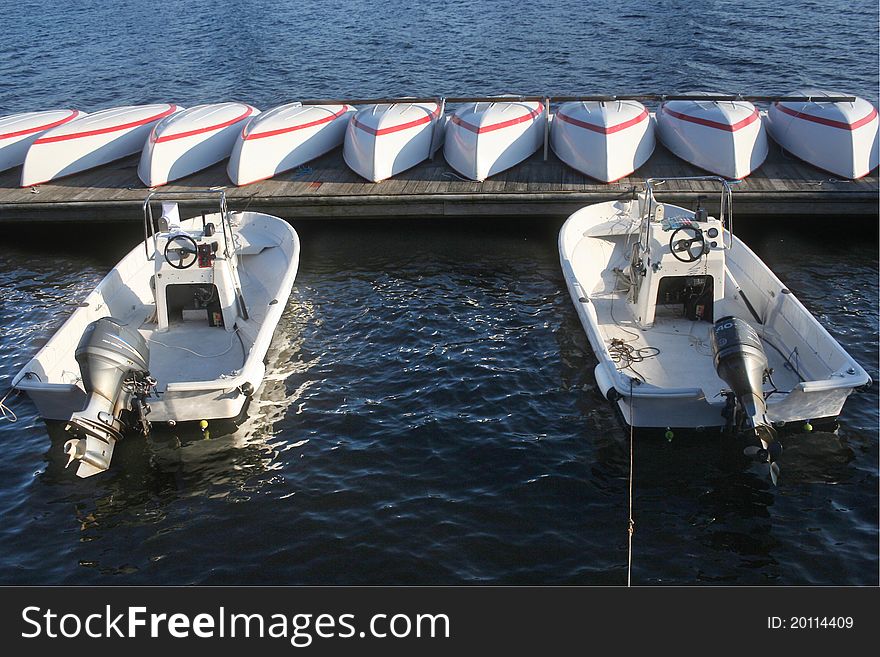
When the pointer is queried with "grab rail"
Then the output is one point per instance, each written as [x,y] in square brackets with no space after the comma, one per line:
[225,224]
[150,229]
[655,98]
[726,203]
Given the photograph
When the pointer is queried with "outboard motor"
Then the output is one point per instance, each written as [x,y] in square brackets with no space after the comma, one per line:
[113,360]
[741,363]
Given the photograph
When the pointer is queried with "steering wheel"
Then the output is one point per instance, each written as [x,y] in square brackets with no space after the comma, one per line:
[187,245]
[685,247]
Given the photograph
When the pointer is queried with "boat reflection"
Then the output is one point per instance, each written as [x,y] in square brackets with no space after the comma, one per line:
[228,459]
[727,498]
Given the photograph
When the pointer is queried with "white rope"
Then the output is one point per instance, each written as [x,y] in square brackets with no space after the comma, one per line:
[452,174]
[5,412]
[195,353]
[631,525]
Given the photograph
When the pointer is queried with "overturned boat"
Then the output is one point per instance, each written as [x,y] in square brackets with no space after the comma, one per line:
[284,138]
[386,139]
[486,138]
[176,332]
[605,140]
[19,131]
[91,140]
[692,330]
[192,140]
[840,138]
[725,137]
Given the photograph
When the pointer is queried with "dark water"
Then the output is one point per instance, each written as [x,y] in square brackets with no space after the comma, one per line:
[431,414]
[432,417]
[270,52]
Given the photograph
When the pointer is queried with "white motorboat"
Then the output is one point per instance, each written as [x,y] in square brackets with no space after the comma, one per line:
[284,138]
[605,140]
[723,137]
[383,140]
[486,138]
[841,138]
[176,332]
[19,131]
[90,141]
[192,140]
[692,330]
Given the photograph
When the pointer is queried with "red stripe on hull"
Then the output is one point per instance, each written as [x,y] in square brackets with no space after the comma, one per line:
[496,126]
[199,131]
[104,131]
[396,128]
[727,127]
[605,130]
[281,131]
[41,128]
[829,122]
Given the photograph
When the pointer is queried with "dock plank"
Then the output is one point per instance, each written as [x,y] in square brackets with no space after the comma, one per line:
[327,188]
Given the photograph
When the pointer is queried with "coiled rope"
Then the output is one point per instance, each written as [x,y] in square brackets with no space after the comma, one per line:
[624,355]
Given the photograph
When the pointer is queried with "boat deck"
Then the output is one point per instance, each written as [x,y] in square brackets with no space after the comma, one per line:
[189,352]
[676,350]
[327,188]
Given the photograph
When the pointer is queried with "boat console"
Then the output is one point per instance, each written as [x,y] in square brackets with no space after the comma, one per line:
[195,274]
[677,263]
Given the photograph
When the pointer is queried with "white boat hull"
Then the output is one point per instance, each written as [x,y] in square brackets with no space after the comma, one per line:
[483,139]
[19,131]
[192,140]
[606,141]
[681,387]
[91,141]
[725,138]
[384,140]
[840,138]
[202,371]
[284,138]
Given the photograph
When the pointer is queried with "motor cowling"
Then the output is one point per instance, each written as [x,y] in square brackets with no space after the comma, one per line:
[113,360]
[741,363]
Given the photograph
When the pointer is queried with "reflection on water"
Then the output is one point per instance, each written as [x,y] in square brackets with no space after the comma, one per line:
[186,449]
[229,461]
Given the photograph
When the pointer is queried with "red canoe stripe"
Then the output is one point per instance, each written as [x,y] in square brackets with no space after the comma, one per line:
[714,124]
[496,126]
[199,131]
[103,131]
[607,130]
[281,131]
[397,128]
[41,128]
[830,122]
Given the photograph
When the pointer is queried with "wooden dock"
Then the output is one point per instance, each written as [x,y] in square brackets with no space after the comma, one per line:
[327,188]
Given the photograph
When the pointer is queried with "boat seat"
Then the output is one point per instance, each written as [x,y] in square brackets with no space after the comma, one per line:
[255,244]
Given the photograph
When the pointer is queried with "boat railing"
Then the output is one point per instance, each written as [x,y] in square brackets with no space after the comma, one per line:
[151,229]
[643,98]
[193,197]
[546,99]
[725,203]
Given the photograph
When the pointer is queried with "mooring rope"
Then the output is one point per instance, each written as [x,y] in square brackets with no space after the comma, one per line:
[631,526]
[5,412]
